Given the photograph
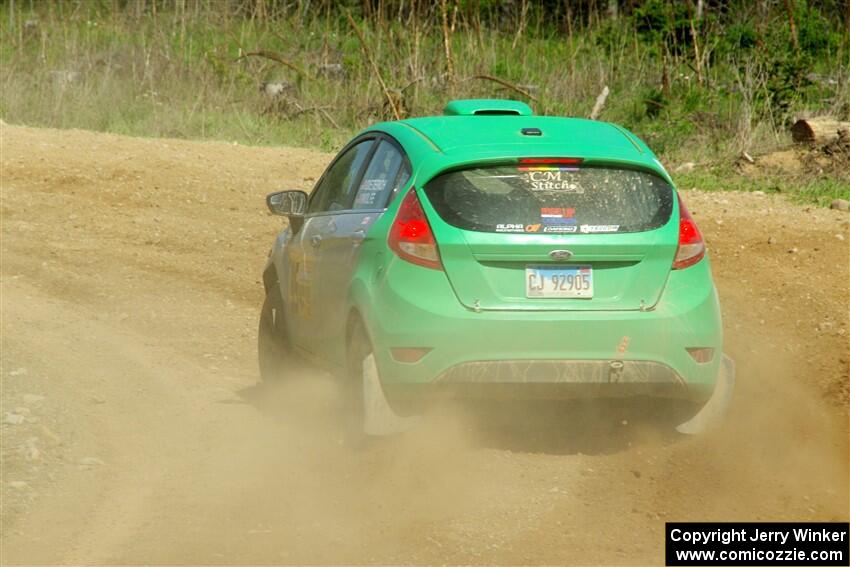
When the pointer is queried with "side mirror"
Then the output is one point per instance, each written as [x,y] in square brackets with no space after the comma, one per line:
[287,203]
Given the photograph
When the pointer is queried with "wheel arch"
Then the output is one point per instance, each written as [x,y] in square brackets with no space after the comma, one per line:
[358,303]
[351,321]
[270,278]
[276,265]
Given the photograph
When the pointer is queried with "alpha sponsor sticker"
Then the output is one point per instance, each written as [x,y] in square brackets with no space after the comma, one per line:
[590,228]
[510,227]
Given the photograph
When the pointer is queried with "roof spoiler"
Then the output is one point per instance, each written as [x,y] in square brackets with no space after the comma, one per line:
[487,107]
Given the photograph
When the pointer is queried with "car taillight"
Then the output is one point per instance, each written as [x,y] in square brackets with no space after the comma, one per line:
[691,246]
[411,237]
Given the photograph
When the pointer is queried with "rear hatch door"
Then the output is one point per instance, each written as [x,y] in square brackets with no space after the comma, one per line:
[554,236]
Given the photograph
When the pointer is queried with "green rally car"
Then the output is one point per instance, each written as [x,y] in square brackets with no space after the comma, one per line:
[491,252]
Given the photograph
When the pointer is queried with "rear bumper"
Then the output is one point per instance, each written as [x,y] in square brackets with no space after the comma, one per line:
[569,379]
[554,380]
[561,372]
[552,354]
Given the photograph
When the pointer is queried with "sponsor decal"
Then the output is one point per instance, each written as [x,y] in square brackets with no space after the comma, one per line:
[550,179]
[590,228]
[299,286]
[373,184]
[369,191]
[510,227]
[532,227]
[560,228]
[559,220]
[557,213]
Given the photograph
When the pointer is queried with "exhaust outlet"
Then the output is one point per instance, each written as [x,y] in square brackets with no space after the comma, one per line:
[615,371]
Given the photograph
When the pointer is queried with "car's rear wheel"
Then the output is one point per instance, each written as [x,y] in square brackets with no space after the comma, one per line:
[273,346]
[368,411]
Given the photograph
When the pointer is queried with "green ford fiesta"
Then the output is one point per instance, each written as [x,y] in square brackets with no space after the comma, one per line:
[490,252]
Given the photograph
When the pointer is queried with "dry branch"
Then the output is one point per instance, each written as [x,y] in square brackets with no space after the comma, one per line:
[506,84]
[320,109]
[820,131]
[697,58]
[522,23]
[274,57]
[410,84]
[789,7]
[600,103]
[289,107]
[390,101]
[447,44]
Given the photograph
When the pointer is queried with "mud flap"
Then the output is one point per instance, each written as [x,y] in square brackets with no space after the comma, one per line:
[378,417]
[715,408]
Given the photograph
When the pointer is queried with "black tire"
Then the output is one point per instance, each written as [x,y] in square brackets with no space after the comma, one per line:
[273,347]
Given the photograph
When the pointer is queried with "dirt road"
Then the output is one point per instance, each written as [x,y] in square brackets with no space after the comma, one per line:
[134,429]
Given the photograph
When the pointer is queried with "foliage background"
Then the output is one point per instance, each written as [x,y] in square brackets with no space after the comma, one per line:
[702,81]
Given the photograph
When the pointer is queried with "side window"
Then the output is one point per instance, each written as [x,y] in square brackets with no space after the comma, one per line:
[334,191]
[380,178]
[403,177]
[400,181]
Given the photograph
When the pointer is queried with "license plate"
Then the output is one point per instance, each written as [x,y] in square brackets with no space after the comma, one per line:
[559,282]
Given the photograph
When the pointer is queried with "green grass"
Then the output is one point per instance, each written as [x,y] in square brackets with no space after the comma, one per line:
[180,75]
[815,189]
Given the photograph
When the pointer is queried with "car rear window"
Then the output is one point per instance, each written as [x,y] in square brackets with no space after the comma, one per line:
[547,199]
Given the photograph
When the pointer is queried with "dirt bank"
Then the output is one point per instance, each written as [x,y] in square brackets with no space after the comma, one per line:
[134,430]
